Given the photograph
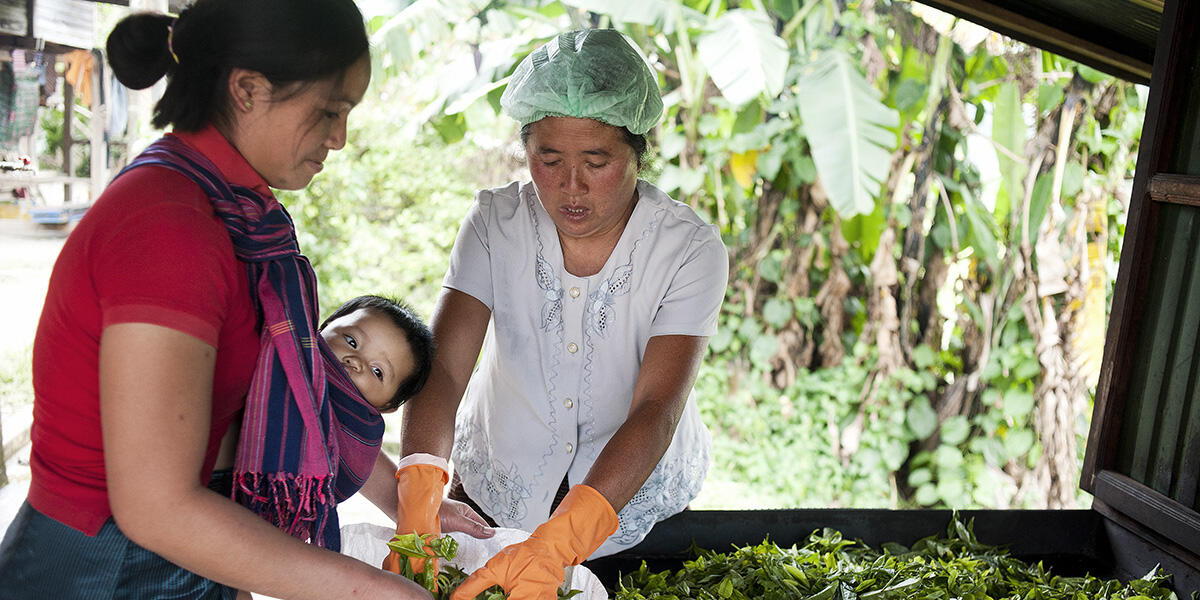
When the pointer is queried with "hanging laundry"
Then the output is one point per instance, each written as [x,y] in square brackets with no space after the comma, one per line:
[79,74]
[118,110]
[47,74]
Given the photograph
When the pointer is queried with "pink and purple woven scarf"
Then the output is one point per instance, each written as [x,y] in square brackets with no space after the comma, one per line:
[309,439]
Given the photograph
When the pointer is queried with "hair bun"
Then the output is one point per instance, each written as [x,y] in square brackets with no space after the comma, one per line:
[137,49]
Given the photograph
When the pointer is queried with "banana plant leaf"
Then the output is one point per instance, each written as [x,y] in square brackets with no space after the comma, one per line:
[851,133]
[744,57]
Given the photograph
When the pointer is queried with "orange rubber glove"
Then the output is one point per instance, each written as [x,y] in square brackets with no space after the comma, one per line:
[420,489]
[533,569]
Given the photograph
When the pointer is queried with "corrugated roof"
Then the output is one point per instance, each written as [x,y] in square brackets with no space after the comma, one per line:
[1114,36]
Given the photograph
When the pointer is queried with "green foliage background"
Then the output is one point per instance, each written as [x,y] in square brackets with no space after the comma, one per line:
[897,322]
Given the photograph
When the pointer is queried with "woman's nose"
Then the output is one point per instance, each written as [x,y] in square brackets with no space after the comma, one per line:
[574,183]
[337,135]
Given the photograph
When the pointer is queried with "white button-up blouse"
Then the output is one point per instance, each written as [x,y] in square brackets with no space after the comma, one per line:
[556,376]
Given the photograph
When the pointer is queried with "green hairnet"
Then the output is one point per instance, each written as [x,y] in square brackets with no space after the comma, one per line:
[588,73]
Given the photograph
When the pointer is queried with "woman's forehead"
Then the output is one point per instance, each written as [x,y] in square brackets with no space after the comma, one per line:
[572,133]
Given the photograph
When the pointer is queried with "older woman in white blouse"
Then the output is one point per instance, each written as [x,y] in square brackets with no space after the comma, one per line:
[600,292]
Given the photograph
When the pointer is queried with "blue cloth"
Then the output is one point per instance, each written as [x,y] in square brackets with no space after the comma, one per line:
[41,558]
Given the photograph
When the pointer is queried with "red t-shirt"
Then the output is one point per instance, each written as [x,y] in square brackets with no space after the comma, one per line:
[149,250]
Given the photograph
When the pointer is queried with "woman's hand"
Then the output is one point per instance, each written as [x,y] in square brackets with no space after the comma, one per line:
[457,516]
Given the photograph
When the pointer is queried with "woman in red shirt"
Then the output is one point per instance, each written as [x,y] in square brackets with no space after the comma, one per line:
[181,303]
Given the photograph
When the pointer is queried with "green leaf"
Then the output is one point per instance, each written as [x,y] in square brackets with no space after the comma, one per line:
[865,230]
[983,235]
[849,131]
[451,128]
[1091,75]
[909,94]
[921,418]
[1027,369]
[777,312]
[1072,182]
[1009,131]
[1039,202]
[955,430]
[918,477]
[923,356]
[1017,442]
[947,458]
[720,341]
[743,56]
[927,494]
[642,12]
[1018,403]
[763,348]
[671,143]
[1049,96]
[725,588]
[894,453]
[771,267]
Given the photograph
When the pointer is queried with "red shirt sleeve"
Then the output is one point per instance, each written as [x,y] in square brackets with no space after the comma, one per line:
[165,260]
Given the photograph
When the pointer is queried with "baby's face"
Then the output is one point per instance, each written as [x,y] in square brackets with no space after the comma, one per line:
[374,351]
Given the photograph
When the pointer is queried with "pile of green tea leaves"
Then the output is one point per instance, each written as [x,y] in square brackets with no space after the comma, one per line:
[445,548]
[829,567]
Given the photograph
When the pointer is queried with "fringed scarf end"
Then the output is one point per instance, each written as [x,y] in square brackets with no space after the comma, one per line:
[303,506]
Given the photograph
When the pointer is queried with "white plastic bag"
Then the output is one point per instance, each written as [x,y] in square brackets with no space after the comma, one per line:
[368,542]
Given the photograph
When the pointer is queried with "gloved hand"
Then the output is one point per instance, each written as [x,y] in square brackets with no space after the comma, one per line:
[419,486]
[533,569]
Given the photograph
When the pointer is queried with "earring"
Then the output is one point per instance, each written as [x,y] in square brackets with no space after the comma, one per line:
[249,104]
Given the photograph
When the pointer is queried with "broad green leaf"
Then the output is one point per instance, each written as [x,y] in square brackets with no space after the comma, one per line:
[1017,442]
[1027,369]
[771,160]
[763,348]
[664,14]
[1049,96]
[849,131]
[777,312]
[947,458]
[923,356]
[1008,130]
[955,430]
[909,94]
[1090,75]
[1018,403]
[921,418]
[927,494]
[671,143]
[721,340]
[864,230]
[894,453]
[771,266]
[1072,182]
[983,236]
[918,477]
[1039,202]
[743,56]
[451,128]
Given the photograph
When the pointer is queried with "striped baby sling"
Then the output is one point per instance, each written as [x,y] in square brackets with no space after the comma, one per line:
[308,439]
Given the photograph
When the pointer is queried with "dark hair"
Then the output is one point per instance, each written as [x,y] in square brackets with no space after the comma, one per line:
[420,339]
[287,41]
[638,142]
